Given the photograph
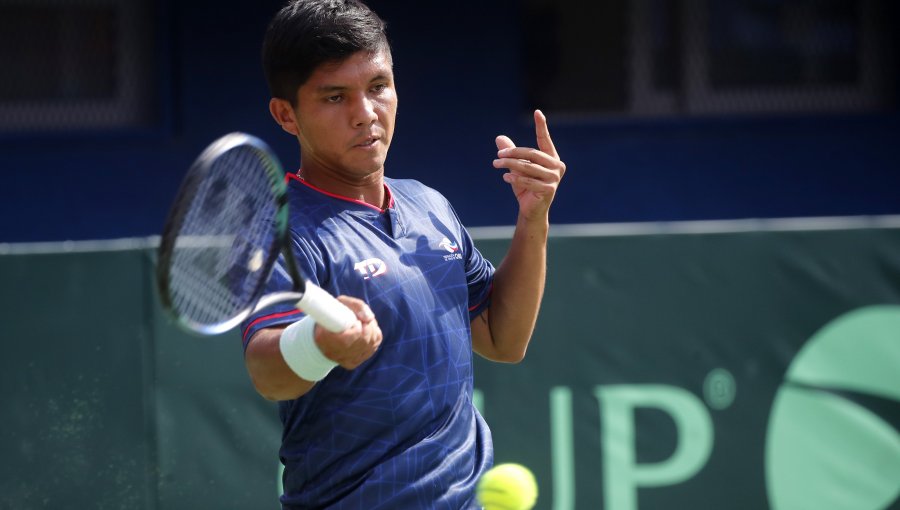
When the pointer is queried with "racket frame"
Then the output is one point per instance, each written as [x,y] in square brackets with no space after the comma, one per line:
[175,219]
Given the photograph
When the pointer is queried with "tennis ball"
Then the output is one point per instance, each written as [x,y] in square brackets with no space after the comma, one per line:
[507,487]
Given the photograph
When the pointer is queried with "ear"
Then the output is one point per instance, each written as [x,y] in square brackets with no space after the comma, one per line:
[284,115]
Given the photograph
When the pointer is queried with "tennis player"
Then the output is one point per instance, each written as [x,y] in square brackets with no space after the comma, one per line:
[381,415]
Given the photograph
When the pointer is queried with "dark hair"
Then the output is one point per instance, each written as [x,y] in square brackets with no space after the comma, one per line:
[307,33]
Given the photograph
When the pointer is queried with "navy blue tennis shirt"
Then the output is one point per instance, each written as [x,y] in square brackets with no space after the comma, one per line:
[400,430]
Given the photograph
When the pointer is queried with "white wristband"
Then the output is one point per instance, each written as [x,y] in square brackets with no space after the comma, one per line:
[300,352]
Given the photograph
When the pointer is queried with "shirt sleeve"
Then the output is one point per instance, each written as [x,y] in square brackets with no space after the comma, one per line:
[479,273]
[280,281]
[479,277]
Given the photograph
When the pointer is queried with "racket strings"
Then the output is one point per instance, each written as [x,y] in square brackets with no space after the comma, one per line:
[225,238]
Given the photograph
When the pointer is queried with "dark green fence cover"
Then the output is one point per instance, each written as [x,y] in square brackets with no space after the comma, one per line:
[734,370]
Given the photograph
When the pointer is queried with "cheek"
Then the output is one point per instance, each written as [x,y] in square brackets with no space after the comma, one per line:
[320,134]
[388,103]
[388,112]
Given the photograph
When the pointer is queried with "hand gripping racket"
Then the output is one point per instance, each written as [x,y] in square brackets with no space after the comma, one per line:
[223,237]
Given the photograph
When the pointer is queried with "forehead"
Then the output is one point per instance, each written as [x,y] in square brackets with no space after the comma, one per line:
[361,66]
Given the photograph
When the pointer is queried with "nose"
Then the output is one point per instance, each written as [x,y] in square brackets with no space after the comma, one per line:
[364,114]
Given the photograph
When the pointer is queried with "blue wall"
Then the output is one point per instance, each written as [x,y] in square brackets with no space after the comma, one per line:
[458,75]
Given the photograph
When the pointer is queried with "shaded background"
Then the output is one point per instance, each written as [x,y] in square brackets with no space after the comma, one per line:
[663,110]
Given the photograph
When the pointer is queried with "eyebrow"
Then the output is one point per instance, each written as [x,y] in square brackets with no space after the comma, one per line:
[330,88]
[338,88]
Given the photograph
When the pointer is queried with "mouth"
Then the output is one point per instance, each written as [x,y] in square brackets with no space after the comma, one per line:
[368,142]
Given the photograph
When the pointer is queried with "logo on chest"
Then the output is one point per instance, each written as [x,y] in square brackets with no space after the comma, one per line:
[370,268]
[452,248]
[374,267]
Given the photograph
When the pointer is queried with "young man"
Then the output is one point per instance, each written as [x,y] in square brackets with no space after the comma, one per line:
[380,415]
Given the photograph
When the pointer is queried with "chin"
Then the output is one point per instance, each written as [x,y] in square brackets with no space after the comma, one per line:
[371,166]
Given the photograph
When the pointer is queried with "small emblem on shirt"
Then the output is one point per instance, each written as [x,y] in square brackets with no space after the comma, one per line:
[452,248]
[370,268]
[447,245]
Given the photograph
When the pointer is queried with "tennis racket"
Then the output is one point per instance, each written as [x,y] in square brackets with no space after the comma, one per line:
[224,235]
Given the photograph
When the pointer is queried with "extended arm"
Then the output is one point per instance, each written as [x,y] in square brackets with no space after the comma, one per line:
[275,380]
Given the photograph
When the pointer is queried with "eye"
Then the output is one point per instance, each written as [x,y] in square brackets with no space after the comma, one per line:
[379,88]
[334,99]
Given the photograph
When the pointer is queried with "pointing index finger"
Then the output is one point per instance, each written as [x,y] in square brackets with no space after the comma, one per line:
[545,143]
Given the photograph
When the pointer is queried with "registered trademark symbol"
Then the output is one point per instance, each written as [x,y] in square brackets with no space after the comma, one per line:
[719,389]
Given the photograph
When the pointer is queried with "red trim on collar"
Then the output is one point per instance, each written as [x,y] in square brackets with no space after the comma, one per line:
[387,190]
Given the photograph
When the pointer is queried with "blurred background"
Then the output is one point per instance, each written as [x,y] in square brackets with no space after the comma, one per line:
[747,363]
[663,109]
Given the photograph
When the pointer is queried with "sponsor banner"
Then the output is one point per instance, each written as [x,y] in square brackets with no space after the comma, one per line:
[741,370]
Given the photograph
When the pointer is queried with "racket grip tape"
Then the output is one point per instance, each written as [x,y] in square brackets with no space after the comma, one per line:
[327,311]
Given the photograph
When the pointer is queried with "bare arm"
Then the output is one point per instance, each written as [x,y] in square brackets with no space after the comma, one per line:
[272,377]
[270,374]
[502,332]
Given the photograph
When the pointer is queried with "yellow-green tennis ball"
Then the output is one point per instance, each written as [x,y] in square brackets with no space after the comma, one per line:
[507,487]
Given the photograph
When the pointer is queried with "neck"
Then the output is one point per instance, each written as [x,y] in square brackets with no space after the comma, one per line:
[367,188]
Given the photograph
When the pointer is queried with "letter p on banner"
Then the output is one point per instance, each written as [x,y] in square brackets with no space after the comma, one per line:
[622,475]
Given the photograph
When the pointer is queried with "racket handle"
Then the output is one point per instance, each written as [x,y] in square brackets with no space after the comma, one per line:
[325,309]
